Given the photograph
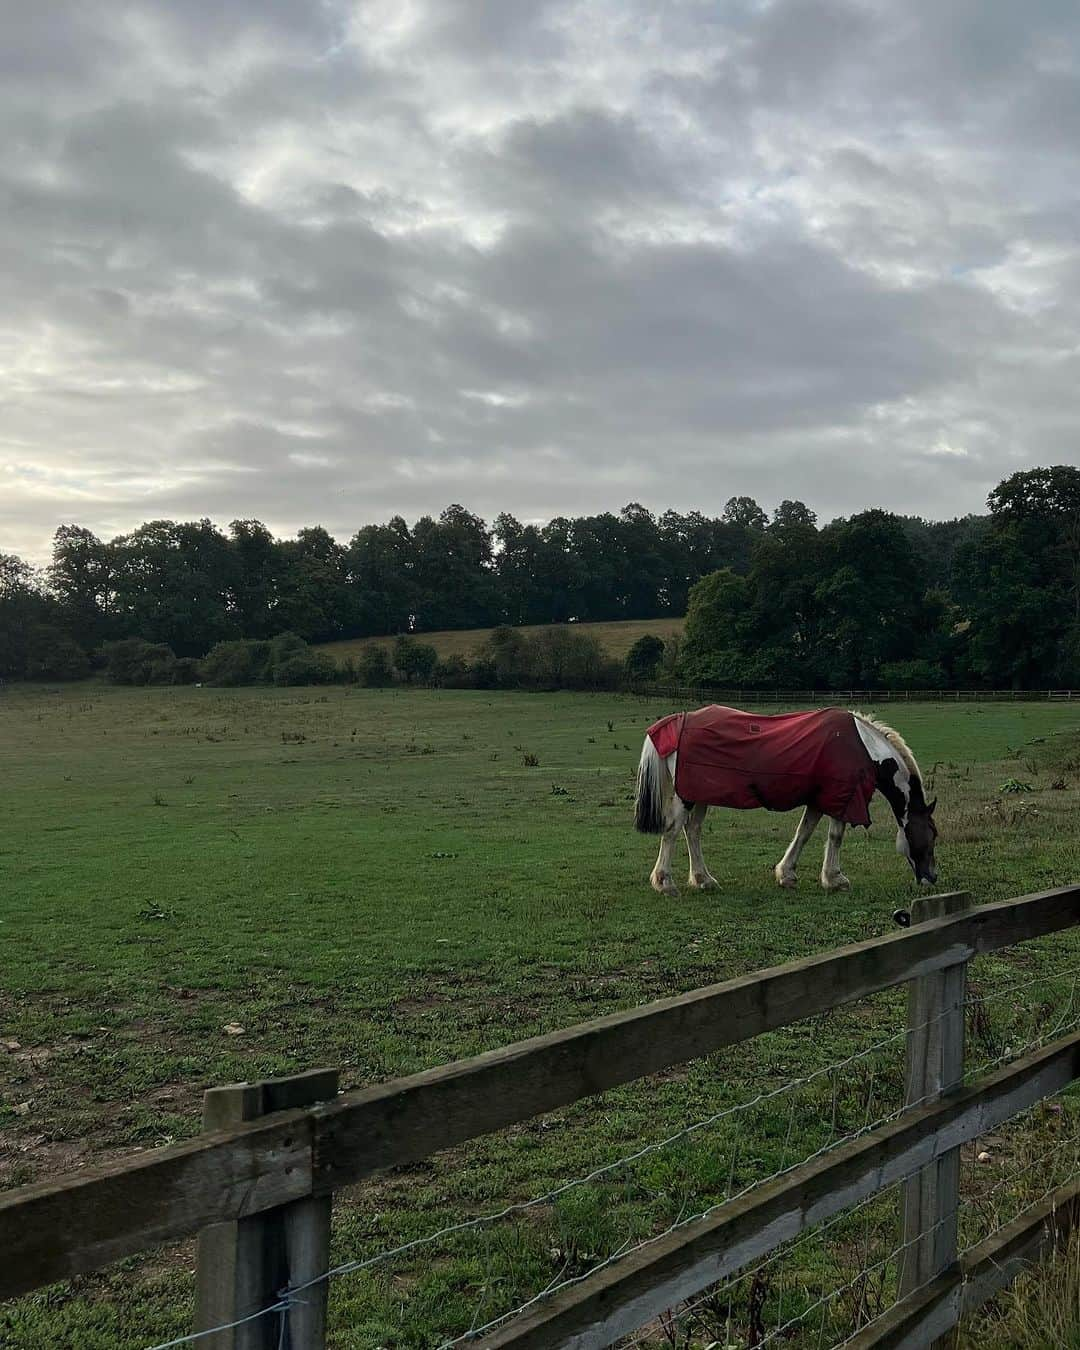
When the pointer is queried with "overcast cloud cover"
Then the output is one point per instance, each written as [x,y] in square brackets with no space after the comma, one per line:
[325,262]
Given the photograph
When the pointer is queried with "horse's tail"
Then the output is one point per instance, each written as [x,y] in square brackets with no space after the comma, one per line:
[649,801]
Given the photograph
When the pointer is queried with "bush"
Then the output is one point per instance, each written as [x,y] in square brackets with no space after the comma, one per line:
[186,670]
[563,659]
[285,659]
[508,655]
[283,648]
[669,666]
[135,661]
[52,655]
[374,667]
[485,674]
[453,673]
[305,667]
[644,657]
[414,660]
[235,663]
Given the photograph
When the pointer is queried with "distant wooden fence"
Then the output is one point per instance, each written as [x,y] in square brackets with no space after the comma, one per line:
[257,1183]
[687,694]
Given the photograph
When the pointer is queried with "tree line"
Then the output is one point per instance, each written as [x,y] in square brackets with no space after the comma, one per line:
[873,598]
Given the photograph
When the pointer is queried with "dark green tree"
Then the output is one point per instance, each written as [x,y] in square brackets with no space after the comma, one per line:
[414,661]
[719,628]
[644,657]
[314,599]
[872,599]
[81,578]
[257,572]
[173,583]
[381,567]
[374,666]
[24,609]
[1019,581]
[453,571]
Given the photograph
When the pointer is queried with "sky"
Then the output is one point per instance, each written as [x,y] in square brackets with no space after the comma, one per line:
[328,262]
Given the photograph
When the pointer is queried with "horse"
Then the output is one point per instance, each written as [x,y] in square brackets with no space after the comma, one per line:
[830,762]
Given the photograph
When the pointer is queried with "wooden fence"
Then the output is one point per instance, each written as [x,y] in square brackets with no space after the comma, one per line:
[688,694]
[256,1184]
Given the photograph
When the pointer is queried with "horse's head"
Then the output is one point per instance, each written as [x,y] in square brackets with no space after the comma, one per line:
[916,837]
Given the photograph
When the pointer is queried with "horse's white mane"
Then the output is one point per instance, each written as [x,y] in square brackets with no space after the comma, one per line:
[895,740]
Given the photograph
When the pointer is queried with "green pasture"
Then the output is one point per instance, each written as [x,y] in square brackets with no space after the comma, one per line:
[384,880]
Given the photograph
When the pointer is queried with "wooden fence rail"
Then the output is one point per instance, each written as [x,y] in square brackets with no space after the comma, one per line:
[263,1164]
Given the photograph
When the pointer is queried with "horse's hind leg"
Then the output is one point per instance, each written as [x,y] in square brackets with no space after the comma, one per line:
[786,868]
[675,818]
[700,876]
[831,876]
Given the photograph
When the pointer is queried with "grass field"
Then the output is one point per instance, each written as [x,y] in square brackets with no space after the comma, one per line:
[616,638]
[376,879]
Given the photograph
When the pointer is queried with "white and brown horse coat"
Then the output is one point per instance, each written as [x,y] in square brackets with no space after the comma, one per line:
[830,761]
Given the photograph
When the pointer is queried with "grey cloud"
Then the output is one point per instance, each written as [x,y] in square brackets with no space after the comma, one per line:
[314,262]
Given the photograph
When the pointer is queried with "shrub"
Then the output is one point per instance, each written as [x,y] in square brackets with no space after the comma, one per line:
[284,647]
[563,659]
[508,655]
[453,673]
[235,663]
[374,667]
[52,655]
[644,657]
[186,670]
[484,672]
[414,660]
[306,667]
[285,659]
[135,661]
[669,666]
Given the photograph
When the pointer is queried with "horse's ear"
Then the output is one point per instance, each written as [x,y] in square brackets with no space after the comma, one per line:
[930,808]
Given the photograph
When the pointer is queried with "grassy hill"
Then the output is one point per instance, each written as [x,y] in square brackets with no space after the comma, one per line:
[616,638]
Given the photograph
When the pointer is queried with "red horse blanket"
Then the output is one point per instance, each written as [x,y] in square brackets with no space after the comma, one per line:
[737,759]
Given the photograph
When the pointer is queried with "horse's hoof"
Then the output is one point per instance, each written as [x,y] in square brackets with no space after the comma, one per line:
[836,883]
[665,887]
[705,883]
[786,879]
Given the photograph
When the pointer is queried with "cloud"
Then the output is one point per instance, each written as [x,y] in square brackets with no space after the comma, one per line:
[327,262]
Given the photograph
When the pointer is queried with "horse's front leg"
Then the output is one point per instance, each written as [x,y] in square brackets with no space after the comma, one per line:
[786,868]
[831,876]
[675,818]
[701,878]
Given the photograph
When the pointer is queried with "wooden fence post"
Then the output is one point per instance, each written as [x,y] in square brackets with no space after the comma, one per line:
[935,1066]
[243,1266]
